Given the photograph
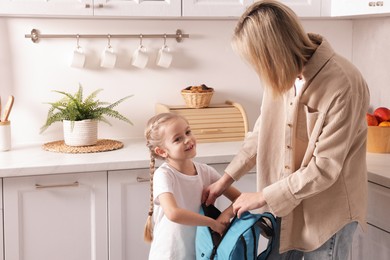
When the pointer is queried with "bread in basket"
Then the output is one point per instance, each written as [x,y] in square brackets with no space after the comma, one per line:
[197,96]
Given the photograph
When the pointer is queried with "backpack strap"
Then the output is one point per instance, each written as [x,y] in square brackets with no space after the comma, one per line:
[269,231]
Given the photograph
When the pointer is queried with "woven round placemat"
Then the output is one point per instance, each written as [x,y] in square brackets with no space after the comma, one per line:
[102,145]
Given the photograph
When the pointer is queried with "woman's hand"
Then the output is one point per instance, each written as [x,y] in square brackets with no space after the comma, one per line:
[248,201]
[213,191]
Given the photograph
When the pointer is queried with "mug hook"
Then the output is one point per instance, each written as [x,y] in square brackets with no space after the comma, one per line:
[165,39]
[78,41]
[140,39]
[109,40]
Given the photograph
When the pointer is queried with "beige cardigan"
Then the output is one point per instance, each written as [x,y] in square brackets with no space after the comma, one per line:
[310,151]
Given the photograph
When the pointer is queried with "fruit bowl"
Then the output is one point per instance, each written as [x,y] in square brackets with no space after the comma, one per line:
[378,139]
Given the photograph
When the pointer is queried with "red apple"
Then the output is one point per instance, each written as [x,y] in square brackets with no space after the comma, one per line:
[382,114]
[371,120]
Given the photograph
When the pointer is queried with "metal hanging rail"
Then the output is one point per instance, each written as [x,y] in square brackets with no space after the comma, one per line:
[35,35]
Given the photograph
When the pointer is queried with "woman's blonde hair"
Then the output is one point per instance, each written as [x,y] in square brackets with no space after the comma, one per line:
[155,138]
[270,37]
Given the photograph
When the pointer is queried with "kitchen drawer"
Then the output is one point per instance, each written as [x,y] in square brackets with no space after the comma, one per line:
[216,123]
[378,206]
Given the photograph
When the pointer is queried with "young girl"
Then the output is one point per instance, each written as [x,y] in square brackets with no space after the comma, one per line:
[176,190]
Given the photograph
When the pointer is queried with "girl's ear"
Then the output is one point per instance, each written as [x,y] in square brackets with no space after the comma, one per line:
[161,152]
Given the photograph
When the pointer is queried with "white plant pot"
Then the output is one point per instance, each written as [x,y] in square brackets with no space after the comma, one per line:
[80,133]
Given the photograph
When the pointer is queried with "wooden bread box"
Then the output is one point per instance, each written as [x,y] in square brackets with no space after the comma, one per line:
[216,123]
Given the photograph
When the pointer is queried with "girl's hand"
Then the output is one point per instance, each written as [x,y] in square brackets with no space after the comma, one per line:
[224,218]
[248,201]
[213,191]
[218,227]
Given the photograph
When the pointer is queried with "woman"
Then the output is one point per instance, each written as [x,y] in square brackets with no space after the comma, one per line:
[309,142]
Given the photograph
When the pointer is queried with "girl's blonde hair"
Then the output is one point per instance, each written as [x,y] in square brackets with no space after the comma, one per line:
[155,138]
[270,37]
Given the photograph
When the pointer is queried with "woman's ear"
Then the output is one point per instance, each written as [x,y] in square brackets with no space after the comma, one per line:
[161,152]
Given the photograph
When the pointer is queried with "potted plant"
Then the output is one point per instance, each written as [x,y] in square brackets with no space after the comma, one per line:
[80,116]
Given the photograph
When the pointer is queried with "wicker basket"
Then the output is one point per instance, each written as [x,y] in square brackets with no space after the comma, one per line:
[197,100]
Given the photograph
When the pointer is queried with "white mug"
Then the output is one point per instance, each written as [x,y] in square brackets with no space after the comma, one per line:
[108,59]
[78,58]
[140,57]
[5,136]
[164,57]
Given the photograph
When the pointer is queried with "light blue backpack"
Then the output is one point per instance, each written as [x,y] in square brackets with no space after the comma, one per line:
[240,241]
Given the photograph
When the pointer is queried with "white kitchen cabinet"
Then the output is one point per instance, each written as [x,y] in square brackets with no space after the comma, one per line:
[92,8]
[215,8]
[135,8]
[57,217]
[46,8]
[128,206]
[355,7]
[305,8]
[1,222]
[375,242]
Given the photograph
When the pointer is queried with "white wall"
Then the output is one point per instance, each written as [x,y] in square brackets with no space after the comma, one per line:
[30,71]
[371,54]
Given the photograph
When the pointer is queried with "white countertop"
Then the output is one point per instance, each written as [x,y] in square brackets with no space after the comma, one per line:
[33,160]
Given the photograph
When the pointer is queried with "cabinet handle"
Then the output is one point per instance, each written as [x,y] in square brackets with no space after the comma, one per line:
[141,179]
[379,3]
[100,5]
[74,184]
[371,3]
[87,6]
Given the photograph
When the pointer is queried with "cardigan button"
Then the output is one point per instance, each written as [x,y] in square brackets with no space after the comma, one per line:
[289,147]
[287,167]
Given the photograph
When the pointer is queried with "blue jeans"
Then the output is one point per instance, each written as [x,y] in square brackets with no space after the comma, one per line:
[336,248]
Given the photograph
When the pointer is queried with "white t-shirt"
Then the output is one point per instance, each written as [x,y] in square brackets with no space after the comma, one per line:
[299,85]
[172,241]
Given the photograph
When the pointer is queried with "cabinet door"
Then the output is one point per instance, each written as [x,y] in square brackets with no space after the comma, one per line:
[378,210]
[373,244]
[128,206]
[1,221]
[215,8]
[134,8]
[56,217]
[46,8]
[305,8]
[354,7]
